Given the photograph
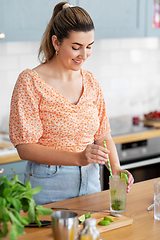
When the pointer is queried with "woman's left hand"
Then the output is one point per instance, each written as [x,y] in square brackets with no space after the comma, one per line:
[130,180]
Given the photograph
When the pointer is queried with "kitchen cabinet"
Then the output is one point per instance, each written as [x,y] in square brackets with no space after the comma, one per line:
[118,18]
[121,18]
[22,20]
[19,168]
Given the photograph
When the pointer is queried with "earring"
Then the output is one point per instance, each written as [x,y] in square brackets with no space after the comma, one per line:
[56,53]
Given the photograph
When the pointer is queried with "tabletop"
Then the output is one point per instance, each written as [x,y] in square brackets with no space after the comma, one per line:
[138,199]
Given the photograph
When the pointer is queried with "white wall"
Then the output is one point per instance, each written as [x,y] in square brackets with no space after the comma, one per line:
[129,73]
[127,69]
[14,58]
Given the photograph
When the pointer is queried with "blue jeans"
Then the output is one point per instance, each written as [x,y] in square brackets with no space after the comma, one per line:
[62,182]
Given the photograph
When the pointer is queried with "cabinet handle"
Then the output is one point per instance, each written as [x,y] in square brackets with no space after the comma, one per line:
[141,163]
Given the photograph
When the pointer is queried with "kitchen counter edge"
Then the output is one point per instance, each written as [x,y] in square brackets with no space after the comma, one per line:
[117,140]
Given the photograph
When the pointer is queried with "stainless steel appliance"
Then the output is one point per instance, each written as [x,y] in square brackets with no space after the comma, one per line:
[141,158]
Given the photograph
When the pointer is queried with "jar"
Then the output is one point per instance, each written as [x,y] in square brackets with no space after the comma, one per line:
[90,231]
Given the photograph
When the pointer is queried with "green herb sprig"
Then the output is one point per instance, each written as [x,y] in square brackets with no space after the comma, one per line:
[14,197]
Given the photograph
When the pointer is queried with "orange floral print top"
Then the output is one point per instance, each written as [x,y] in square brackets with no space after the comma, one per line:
[41,115]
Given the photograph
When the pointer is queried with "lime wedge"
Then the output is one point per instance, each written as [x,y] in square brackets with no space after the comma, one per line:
[83,217]
[123,177]
[108,219]
[87,215]
[104,223]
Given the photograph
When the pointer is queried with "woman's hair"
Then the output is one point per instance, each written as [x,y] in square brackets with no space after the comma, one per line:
[63,21]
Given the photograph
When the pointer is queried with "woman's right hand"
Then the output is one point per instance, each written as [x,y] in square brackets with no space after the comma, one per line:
[94,154]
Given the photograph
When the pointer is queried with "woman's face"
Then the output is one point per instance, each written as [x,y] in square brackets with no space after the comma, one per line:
[73,51]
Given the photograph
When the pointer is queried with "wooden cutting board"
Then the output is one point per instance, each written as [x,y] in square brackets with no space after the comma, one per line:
[151,123]
[118,222]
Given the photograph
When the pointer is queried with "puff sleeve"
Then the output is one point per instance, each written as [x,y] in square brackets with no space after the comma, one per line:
[24,123]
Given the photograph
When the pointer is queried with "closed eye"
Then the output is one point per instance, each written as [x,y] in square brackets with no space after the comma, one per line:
[88,47]
[75,48]
[80,45]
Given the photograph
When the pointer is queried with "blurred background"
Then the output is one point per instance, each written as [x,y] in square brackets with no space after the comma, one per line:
[125,58]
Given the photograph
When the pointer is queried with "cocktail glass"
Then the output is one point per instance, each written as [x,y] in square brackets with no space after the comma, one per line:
[118,193]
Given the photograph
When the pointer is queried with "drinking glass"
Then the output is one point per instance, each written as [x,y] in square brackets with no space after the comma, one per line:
[157,200]
[118,193]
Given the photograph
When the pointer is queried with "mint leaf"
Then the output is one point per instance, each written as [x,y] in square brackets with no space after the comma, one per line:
[14,220]
[15,202]
[5,180]
[28,185]
[17,215]
[13,232]
[26,195]
[3,202]
[20,188]
[25,220]
[6,192]
[43,211]
[31,210]
[3,214]
[37,220]
[35,190]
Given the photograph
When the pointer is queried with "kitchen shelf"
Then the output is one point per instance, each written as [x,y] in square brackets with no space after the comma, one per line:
[136,136]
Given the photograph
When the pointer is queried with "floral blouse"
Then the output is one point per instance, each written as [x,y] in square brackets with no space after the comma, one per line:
[39,114]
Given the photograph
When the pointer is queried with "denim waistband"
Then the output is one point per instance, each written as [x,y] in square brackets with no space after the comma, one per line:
[62,182]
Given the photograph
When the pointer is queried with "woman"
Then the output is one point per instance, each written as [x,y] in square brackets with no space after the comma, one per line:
[58,120]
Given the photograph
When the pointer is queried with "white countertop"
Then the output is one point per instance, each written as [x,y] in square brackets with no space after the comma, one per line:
[9,149]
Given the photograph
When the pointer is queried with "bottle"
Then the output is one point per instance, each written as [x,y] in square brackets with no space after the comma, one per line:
[90,231]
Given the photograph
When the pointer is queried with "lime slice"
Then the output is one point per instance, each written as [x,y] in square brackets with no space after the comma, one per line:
[87,215]
[104,223]
[123,177]
[81,218]
[108,219]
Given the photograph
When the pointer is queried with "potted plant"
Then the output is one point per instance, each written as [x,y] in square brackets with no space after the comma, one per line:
[15,197]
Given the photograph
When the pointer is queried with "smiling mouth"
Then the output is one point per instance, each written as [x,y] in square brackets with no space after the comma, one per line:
[78,62]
